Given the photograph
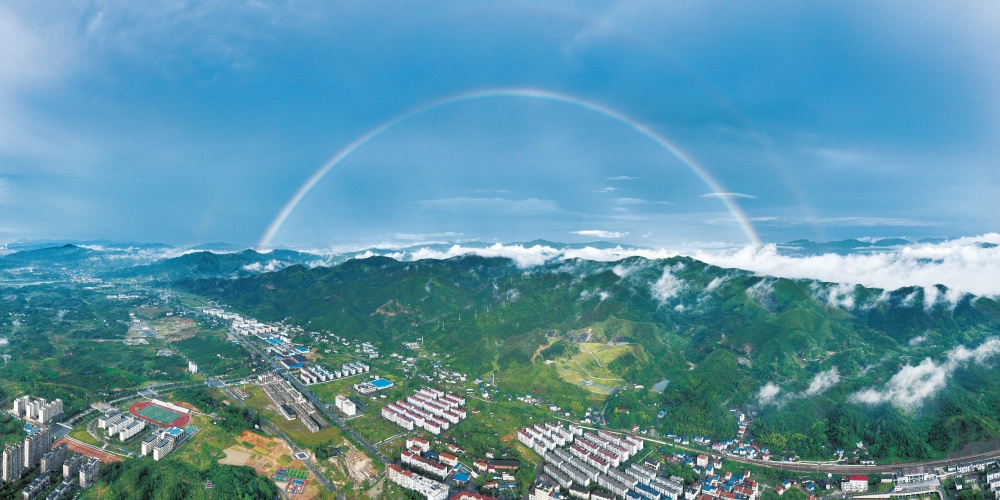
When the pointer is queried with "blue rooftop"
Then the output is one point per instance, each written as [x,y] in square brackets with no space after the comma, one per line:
[381,383]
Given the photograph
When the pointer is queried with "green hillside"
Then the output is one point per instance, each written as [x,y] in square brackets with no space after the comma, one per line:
[718,336]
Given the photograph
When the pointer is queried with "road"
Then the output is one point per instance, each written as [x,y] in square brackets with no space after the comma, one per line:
[818,467]
[318,403]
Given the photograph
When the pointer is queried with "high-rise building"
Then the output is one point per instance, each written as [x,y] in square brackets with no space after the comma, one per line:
[53,460]
[12,462]
[89,472]
[37,409]
[37,444]
[21,405]
[72,465]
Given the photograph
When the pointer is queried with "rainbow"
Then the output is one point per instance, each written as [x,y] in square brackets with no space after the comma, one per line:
[525,93]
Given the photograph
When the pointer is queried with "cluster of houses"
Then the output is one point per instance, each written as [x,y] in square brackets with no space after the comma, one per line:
[431,489]
[993,479]
[22,455]
[310,375]
[544,437]
[370,350]
[161,443]
[245,326]
[123,424]
[417,457]
[428,408]
[37,409]
[593,459]
[37,451]
[77,471]
[317,374]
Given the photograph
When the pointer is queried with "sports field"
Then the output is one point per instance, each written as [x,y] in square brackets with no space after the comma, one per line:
[159,415]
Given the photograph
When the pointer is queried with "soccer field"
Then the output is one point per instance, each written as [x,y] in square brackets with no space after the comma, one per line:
[159,414]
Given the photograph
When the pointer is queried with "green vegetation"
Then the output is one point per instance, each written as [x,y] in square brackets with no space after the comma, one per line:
[145,479]
[11,429]
[214,354]
[66,342]
[717,336]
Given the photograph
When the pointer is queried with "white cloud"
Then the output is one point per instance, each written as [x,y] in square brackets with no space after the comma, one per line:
[668,286]
[637,201]
[728,196]
[608,189]
[268,267]
[841,157]
[629,201]
[622,178]
[822,382]
[836,295]
[597,233]
[768,394]
[589,294]
[965,265]
[913,385]
[715,283]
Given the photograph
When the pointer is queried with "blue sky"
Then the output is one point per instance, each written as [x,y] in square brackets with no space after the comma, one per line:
[183,123]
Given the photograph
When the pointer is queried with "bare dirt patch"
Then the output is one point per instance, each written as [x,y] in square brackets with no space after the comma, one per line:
[236,455]
[174,328]
[268,455]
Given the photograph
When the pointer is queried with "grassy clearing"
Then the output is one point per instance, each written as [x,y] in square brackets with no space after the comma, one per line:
[327,391]
[206,447]
[80,434]
[374,428]
[591,364]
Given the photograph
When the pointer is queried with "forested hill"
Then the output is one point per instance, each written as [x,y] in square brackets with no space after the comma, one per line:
[802,350]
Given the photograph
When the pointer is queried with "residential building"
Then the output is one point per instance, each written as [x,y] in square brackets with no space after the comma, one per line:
[34,490]
[72,465]
[12,462]
[149,443]
[419,443]
[37,444]
[855,484]
[63,490]
[53,460]
[37,409]
[131,430]
[163,448]
[346,405]
[89,472]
